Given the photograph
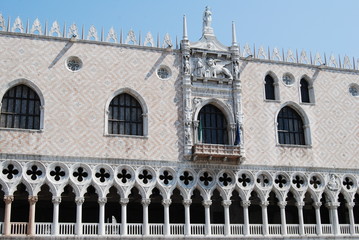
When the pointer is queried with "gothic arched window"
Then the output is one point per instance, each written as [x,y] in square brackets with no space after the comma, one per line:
[212,127]
[290,127]
[269,88]
[125,116]
[20,108]
[304,91]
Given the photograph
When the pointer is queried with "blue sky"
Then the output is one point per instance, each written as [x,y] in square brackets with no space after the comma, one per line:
[324,26]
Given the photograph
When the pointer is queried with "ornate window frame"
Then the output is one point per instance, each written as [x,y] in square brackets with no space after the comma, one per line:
[306,125]
[33,86]
[141,101]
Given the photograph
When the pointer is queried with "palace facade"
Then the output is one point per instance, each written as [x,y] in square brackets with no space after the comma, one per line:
[116,136]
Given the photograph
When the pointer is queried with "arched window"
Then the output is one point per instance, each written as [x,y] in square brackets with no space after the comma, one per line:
[269,88]
[290,127]
[212,127]
[20,108]
[125,116]
[304,91]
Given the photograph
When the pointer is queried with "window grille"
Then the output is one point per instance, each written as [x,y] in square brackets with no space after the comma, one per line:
[290,127]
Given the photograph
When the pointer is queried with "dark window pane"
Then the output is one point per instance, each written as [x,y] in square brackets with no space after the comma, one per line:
[290,127]
[21,108]
[304,90]
[127,113]
[213,125]
[269,88]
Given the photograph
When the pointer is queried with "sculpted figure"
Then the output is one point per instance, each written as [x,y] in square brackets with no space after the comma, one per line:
[199,68]
[207,18]
[236,69]
[214,69]
[333,183]
[186,64]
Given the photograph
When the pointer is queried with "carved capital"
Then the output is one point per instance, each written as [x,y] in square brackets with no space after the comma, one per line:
[350,205]
[282,204]
[146,201]
[207,203]
[195,124]
[79,200]
[300,204]
[187,202]
[102,200]
[264,203]
[317,204]
[33,199]
[246,203]
[8,199]
[56,199]
[226,203]
[124,201]
[166,202]
[332,205]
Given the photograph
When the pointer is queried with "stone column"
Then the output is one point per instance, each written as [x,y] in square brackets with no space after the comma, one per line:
[207,216]
[264,206]
[101,225]
[56,200]
[124,202]
[166,228]
[31,227]
[318,219]
[245,205]
[333,206]
[300,206]
[187,228]
[283,220]
[79,201]
[350,207]
[7,218]
[227,222]
[145,227]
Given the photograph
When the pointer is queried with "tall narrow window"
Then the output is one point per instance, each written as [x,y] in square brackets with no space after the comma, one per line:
[125,116]
[269,88]
[304,91]
[212,126]
[290,127]
[20,108]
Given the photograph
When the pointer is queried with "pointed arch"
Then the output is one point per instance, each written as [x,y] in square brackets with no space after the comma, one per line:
[134,103]
[22,105]
[306,90]
[271,86]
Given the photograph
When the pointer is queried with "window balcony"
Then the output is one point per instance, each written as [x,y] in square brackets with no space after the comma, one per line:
[217,153]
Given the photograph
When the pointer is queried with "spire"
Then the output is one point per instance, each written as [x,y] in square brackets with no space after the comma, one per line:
[185,36]
[234,35]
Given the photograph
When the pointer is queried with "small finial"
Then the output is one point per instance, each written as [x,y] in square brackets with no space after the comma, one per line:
[185,36]
[234,37]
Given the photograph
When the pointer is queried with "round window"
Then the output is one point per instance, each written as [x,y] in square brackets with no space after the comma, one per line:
[163,72]
[354,90]
[74,64]
[288,79]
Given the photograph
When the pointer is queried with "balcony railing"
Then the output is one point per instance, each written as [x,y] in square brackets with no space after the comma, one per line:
[216,152]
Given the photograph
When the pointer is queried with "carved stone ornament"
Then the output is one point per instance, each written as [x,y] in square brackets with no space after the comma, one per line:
[2,22]
[262,53]
[92,33]
[303,57]
[167,41]
[276,55]
[36,26]
[187,202]
[186,65]
[55,28]
[166,202]
[333,183]
[73,31]
[131,37]
[318,59]
[149,40]
[333,61]
[247,51]
[290,56]
[111,35]
[347,63]
[214,68]
[17,25]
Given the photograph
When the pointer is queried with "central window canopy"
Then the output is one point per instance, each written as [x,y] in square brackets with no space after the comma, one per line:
[125,116]
[212,127]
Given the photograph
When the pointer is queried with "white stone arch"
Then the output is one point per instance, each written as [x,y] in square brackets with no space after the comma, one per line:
[310,82]
[4,88]
[316,195]
[75,189]
[138,97]
[302,114]
[348,196]
[276,85]
[224,193]
[280,195]
[28,189]
[52,188]
[4,187]
[225,109]
[243,194]
[183,192]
